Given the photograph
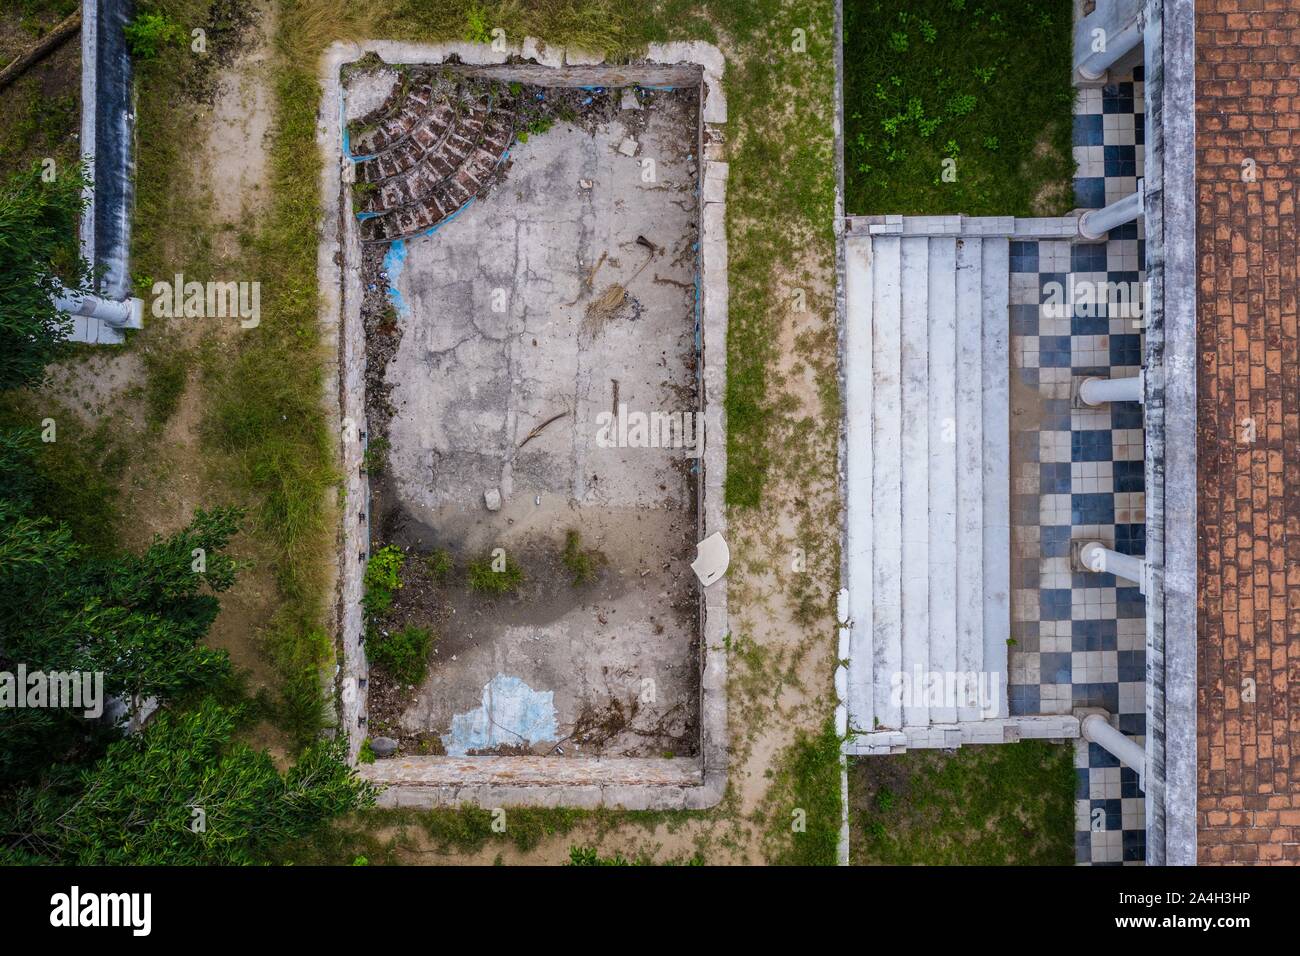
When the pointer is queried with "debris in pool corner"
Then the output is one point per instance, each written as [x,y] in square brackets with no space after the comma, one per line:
[511,713]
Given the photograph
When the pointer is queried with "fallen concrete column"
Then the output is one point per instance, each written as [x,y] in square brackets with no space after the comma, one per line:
[1113,45]
[1095,727]
[1096,223]
[1098,391]
[124,314]
[1096,557]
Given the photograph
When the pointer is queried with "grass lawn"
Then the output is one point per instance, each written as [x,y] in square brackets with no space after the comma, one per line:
[983,83]
[1005,805]
[40,112]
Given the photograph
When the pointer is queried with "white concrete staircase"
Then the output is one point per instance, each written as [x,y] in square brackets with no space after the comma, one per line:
[928,546]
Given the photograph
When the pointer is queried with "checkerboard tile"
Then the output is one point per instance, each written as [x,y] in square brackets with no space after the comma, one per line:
[1077,473]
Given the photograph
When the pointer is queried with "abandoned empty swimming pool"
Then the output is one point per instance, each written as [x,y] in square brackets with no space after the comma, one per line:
[531,305]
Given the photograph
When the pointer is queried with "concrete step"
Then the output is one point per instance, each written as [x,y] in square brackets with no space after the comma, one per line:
[886,481]
[970,462]
[915,451]
[997,465]
[943,463]
[859,291]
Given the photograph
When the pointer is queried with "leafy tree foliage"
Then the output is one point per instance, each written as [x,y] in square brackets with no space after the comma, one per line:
[73,789]
[138,619]
[183,792]
[38,248]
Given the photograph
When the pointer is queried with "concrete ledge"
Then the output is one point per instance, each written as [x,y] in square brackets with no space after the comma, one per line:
[624,783]
[1001,730]
[987,227]
[1170,453]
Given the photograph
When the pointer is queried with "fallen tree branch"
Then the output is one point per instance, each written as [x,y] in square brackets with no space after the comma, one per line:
[46,45]
[538,430]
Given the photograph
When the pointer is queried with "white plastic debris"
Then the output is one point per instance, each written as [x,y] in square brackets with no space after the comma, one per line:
[712,556]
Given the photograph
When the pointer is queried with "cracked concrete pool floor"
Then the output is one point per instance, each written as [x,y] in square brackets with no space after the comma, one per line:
[498,337]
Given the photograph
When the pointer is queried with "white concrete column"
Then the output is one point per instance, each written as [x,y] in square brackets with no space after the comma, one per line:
[110,311]
[1113,46]
[1096,557]
[1095,727]
[1096,223]
[1098,391]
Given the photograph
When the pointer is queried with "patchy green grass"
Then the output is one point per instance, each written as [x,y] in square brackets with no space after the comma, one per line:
[583,563]
[37,126]
[166,372]
[439,565]
[484,577]
[40,112]
[469,829]
[983,83]
[803,805]
[1004,805]
[590,856]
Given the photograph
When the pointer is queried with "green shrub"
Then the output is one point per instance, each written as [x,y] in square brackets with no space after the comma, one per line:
[135,805]
[149,33]
[367,753]
[403,654]
[477,29]
[166,372]
[382,578]
[485,579]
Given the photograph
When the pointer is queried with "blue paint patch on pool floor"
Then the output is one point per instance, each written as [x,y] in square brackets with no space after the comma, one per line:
[394,262]
[512,713]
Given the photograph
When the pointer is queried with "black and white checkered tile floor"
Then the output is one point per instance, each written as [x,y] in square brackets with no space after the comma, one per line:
[1079,638]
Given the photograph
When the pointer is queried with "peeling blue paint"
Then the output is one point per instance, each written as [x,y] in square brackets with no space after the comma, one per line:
[394,262]
[512,713]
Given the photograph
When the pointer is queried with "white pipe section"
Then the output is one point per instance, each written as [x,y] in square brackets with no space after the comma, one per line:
[1098,391]
[1113,47]
[110,311]
[1095,728]
[1095,556]
[1096,223]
